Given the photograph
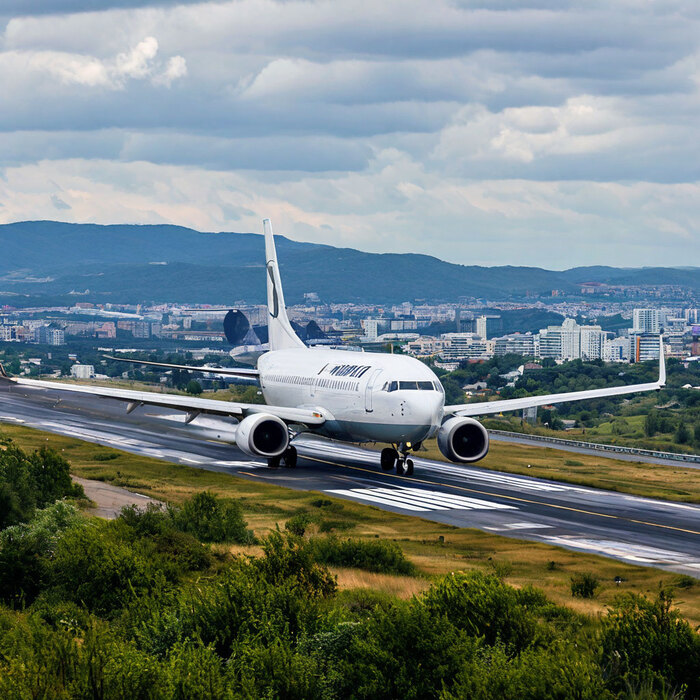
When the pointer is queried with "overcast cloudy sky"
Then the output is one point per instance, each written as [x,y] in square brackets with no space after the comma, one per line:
[553,133]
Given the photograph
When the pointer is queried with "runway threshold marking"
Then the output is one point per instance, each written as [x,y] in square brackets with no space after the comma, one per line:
[510,498]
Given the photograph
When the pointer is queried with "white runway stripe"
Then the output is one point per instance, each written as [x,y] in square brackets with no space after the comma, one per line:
[420,500]
[377,499]
[452,499]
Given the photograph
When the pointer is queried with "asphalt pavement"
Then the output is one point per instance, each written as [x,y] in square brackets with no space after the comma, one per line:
[637,530]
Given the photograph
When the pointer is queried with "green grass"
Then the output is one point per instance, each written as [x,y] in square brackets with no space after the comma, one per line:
[433,548]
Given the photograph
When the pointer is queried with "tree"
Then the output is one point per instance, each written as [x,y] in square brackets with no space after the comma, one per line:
[697,434]
[651,424]
[193,387]
[682,435]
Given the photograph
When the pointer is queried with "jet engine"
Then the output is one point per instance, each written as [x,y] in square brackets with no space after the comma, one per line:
[262,435]
[463,440]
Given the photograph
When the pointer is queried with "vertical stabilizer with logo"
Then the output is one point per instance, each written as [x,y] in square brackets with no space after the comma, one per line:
[280,331]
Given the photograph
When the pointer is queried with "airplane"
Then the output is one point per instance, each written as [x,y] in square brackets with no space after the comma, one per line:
[356,397]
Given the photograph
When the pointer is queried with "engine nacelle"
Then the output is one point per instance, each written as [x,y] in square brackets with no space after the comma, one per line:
[262,435]
[463,440]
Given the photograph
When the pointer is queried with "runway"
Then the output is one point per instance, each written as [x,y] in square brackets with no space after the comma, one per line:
[624,527]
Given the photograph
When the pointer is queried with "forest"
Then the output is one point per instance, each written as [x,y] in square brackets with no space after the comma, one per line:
[174,602]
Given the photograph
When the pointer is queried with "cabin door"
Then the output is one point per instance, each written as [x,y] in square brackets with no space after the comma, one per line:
[368,390]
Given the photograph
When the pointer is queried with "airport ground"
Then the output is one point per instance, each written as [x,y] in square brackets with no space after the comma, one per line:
[529,530]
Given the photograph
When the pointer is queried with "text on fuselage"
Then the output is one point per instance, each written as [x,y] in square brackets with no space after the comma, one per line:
[347,370]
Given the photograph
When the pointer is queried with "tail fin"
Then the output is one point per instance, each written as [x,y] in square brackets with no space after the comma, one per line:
[282,335]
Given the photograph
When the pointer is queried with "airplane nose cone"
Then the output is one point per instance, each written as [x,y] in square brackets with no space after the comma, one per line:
[426,408]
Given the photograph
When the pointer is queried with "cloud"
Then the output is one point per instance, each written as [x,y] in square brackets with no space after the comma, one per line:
[139,63]
[480,130]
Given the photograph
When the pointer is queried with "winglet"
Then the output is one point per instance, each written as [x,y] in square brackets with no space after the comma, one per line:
[662,363]
[280,331]
[3,373]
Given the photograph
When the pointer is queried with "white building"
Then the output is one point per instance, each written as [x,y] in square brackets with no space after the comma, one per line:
[646,321]
[464,346]
[524,344]
[370,327]
[616,349]
[592,342]
[82,371]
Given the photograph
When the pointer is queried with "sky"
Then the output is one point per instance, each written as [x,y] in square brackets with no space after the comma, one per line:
[551,133]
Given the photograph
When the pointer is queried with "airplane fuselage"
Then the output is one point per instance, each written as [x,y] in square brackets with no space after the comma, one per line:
[368,397]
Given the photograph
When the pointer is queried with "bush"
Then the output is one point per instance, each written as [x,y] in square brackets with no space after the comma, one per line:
[212,520]
[94,567]
[25,552]
[30,481]
[559,672]
[298,523]
[483,606]
[584,585]
[371,555]
[649,641]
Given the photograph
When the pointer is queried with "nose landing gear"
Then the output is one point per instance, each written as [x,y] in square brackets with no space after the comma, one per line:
[392,458]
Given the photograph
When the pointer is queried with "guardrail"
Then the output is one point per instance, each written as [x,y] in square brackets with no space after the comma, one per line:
[675,456]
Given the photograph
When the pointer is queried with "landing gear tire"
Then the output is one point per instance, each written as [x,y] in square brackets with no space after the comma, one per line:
[409,467]
[290,457]
[388,459]
[399,466]
[274,462]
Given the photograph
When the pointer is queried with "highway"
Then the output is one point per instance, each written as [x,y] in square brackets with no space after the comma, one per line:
[629,528]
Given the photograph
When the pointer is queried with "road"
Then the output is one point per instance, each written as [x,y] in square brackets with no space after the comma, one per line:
[629,528]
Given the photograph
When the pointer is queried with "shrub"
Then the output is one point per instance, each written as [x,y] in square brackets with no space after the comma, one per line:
[584,585]
[30,481]
[649,641]
[105,456]
[211,520]
[298,523]
[25,550]
[92,566]
[558,672]
[483,606]
[371,555]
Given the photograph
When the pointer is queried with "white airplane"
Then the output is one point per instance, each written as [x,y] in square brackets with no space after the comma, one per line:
[353,397]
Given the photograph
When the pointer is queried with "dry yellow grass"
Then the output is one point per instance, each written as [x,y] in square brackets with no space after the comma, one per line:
[400,586]
[268,506]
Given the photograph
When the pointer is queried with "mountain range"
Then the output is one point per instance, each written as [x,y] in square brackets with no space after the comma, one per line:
[139,263]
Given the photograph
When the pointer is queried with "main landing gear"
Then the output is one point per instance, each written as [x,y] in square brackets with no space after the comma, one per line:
[392,458]
[287,459]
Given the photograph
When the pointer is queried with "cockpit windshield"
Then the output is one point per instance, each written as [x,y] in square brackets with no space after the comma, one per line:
[411,386]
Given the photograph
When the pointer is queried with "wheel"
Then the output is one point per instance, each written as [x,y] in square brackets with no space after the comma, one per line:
[274,462]
[409,467]
[388,459]
[290,457]
[399,466]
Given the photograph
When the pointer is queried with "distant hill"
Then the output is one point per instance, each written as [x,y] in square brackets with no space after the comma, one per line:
[124,263]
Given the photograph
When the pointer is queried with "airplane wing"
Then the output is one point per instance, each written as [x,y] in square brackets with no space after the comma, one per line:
[191,405]
[241,372]
[488,407]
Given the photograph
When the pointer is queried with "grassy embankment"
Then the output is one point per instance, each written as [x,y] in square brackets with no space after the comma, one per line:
[434,548]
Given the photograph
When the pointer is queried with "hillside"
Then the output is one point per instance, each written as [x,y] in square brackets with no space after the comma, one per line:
[47,260]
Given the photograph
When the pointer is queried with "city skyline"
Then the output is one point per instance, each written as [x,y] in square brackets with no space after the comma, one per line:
[548,134]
